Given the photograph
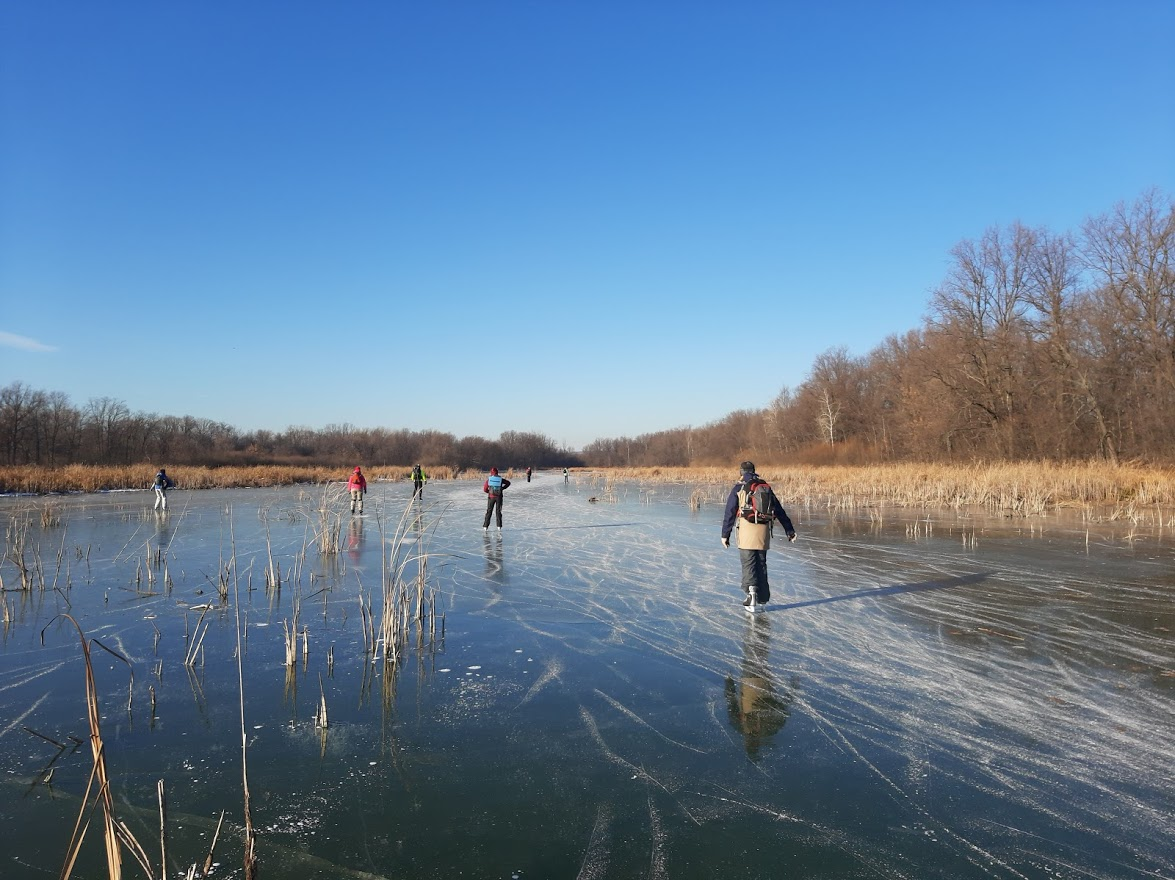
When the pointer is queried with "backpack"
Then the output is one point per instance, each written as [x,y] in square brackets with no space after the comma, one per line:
[757,506]
[495,484]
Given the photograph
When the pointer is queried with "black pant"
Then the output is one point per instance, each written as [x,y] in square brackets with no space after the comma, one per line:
[495,502]
[755,573]
[417,488]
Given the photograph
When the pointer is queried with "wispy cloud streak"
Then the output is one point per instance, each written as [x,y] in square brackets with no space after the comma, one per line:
[12,340]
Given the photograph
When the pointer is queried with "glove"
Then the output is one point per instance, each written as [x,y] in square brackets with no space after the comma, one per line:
[791,536]
[726,542]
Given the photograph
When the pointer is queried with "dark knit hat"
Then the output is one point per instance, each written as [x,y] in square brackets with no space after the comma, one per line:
[747,467]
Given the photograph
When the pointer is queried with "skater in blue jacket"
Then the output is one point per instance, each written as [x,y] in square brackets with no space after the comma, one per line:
[494,486]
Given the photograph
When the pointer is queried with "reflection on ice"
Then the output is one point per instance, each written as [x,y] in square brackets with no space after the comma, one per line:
[758,707]
[951,697]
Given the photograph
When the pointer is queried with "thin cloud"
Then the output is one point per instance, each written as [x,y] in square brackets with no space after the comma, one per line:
[12,340]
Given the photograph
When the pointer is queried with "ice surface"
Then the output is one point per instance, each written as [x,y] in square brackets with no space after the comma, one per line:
[928,695]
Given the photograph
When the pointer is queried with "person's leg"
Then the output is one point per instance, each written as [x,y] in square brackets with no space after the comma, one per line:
[489,510]
[762,588]
[163,495]
[359,495]
[499,508]
[353,494]
[158,497]
[749,563]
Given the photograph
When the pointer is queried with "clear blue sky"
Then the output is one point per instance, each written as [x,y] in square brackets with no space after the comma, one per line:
[558,217]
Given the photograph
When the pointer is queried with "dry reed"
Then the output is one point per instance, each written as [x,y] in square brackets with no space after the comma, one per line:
[1019,489]
[43,480]
[116,835]
[328,535]
[406,603]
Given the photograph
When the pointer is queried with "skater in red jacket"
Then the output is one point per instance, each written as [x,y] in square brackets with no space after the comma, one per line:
[357,486]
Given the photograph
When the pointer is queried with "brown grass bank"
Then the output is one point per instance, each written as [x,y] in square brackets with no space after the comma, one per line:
[29,479]
[1020,488]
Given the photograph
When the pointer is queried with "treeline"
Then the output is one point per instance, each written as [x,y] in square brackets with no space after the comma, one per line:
[46,429]
[1036,345]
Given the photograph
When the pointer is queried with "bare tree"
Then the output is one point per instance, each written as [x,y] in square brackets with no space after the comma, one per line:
[1128,253]
[829,412]
[980,307]
[21,411]
[103,423]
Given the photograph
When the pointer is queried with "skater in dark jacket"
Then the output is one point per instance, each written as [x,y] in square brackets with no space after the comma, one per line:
[494,486]
[419,477]
[162,483]
[754,534]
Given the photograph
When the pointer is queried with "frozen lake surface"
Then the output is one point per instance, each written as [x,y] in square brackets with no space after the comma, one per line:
[930,695]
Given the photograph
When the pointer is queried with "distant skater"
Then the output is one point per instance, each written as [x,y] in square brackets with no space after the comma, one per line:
[494,487]
[753,505]
[357,486]
[162,483]
[419,478]
[566,474]
[528,472]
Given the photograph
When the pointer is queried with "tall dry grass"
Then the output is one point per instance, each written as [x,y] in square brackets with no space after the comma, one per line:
[39,480]
[99,795]
[1021,488]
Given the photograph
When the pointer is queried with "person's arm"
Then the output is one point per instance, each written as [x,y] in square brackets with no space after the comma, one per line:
[485,487]
[505,484]
[781,515]
[729,516]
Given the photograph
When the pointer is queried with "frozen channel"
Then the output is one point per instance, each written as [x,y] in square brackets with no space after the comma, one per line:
[931,694]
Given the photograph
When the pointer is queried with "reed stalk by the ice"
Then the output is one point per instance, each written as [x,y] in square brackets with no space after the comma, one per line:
[223,578]
[207,869]
[250,858]
[273,570]
[198,639]
[291,638]
[116,835]
[162,818]
[320,720]
[404,603]
[16,548]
